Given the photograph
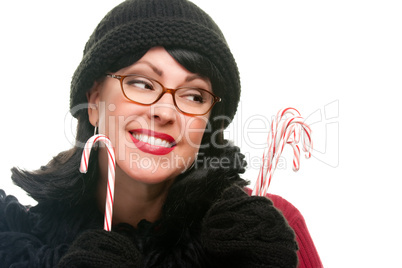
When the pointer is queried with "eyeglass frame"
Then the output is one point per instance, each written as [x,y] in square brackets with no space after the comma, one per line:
[172,91]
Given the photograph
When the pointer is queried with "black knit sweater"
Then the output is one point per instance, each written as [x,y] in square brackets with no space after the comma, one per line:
[207,221]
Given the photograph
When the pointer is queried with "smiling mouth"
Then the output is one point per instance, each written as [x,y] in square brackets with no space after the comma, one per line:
[153,142]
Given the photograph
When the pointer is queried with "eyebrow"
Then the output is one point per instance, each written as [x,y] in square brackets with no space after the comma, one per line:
[153,67]
[195,76]
[160,72]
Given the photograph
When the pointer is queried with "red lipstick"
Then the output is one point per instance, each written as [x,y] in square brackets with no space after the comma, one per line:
[152,142]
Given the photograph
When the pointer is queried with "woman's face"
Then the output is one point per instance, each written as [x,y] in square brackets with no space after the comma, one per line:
[152,143]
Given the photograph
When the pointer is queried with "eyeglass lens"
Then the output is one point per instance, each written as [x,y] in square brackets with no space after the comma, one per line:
[146,91]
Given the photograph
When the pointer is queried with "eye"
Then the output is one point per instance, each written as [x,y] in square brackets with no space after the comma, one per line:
[138,83]
[194,95]
[195,98]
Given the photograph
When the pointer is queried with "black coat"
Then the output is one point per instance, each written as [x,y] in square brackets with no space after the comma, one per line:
[207,221]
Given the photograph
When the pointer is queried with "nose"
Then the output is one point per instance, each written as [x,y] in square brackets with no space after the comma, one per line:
[164,111]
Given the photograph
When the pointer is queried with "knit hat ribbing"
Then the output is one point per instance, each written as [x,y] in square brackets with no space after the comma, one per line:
[138,25]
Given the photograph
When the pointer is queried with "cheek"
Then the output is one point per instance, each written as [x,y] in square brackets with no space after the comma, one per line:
[195,128]
[115,115]
[108,104]
[109,119]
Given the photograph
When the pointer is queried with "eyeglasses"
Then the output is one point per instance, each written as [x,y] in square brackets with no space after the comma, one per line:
[147,91]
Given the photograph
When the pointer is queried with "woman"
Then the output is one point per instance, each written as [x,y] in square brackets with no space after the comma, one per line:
[158,79]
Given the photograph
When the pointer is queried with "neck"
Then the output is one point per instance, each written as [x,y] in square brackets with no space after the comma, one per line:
[133,200]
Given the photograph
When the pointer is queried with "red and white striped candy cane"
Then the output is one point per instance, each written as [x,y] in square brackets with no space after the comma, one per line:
[111,173]
[286,128]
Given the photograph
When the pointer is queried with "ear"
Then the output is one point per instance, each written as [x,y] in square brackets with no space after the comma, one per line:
[93,97]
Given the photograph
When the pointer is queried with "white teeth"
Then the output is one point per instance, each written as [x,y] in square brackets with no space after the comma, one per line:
[152,140]
[164,143]
[144,138]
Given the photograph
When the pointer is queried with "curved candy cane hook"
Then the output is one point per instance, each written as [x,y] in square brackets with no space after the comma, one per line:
[111,174]
[286,128]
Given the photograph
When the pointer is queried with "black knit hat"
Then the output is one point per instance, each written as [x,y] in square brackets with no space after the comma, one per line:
[138,25]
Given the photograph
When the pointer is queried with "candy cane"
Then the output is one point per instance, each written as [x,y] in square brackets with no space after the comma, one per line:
[111,174]
[286,128]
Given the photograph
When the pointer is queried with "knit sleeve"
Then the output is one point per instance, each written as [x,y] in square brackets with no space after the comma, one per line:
[307,253]
[19,247]
[100,248]
[244,231]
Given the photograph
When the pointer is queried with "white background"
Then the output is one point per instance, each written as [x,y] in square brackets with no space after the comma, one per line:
[341,60]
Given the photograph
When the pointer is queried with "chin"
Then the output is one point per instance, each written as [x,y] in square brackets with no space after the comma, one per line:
[153,169]
[152,175]
[153,179]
